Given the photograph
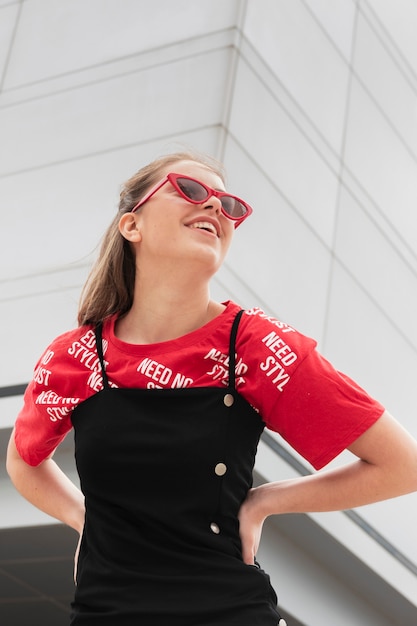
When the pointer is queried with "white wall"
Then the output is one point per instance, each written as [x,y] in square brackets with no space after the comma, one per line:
[312,106]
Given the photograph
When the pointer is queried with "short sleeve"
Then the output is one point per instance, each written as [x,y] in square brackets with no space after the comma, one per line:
[38,431]
[59,384]
[322,411]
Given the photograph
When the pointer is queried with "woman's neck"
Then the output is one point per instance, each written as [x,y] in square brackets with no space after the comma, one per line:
[162,312]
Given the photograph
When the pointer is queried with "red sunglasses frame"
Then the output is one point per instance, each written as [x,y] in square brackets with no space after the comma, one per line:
[172,178]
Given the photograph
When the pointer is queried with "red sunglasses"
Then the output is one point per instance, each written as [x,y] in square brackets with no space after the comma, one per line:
[196,192]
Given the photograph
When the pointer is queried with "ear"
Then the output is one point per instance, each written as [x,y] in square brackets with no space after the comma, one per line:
[129,227]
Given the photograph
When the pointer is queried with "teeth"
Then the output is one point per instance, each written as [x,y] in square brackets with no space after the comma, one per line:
[204,226]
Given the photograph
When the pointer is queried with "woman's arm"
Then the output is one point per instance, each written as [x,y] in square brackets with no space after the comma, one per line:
[47,488]
[387,467]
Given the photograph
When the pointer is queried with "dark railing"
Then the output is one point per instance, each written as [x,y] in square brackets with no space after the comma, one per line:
[12,390]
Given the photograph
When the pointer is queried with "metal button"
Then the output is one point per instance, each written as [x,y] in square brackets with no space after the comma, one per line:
[228,399]
[220,469]
[215,528]
[282,622]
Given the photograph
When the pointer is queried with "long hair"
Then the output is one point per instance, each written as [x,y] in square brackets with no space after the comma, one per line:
[110,285]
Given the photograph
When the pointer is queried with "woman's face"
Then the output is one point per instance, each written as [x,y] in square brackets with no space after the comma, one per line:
[173,230]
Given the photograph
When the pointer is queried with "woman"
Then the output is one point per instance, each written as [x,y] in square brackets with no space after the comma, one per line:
[168,393]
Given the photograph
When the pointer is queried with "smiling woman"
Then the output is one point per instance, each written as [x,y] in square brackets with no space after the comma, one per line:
[168,393]
[110,287]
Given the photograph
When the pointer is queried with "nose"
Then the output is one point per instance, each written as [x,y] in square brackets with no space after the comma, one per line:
[213,203]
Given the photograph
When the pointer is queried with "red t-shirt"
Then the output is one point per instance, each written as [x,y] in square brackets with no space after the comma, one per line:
[298,394]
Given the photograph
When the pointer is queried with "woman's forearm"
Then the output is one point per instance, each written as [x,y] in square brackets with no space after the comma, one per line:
[347,487]
[47,487]
[387,467]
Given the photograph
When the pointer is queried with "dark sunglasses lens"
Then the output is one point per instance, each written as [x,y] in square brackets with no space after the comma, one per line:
[192,190]
[195,192]
[233,207]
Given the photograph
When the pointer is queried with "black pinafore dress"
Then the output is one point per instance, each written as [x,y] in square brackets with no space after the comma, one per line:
[164,472]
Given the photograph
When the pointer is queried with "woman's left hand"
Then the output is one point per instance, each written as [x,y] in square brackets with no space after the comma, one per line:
[250,525]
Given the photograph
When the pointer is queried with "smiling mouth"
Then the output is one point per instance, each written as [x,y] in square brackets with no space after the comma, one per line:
[207,226]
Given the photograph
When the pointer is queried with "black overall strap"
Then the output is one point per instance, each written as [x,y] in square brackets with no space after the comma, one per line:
[99,344]
[232,350]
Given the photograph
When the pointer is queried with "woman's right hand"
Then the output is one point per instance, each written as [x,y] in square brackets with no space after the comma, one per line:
[77,554]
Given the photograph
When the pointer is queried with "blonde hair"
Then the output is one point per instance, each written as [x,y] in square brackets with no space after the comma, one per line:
[110,285]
